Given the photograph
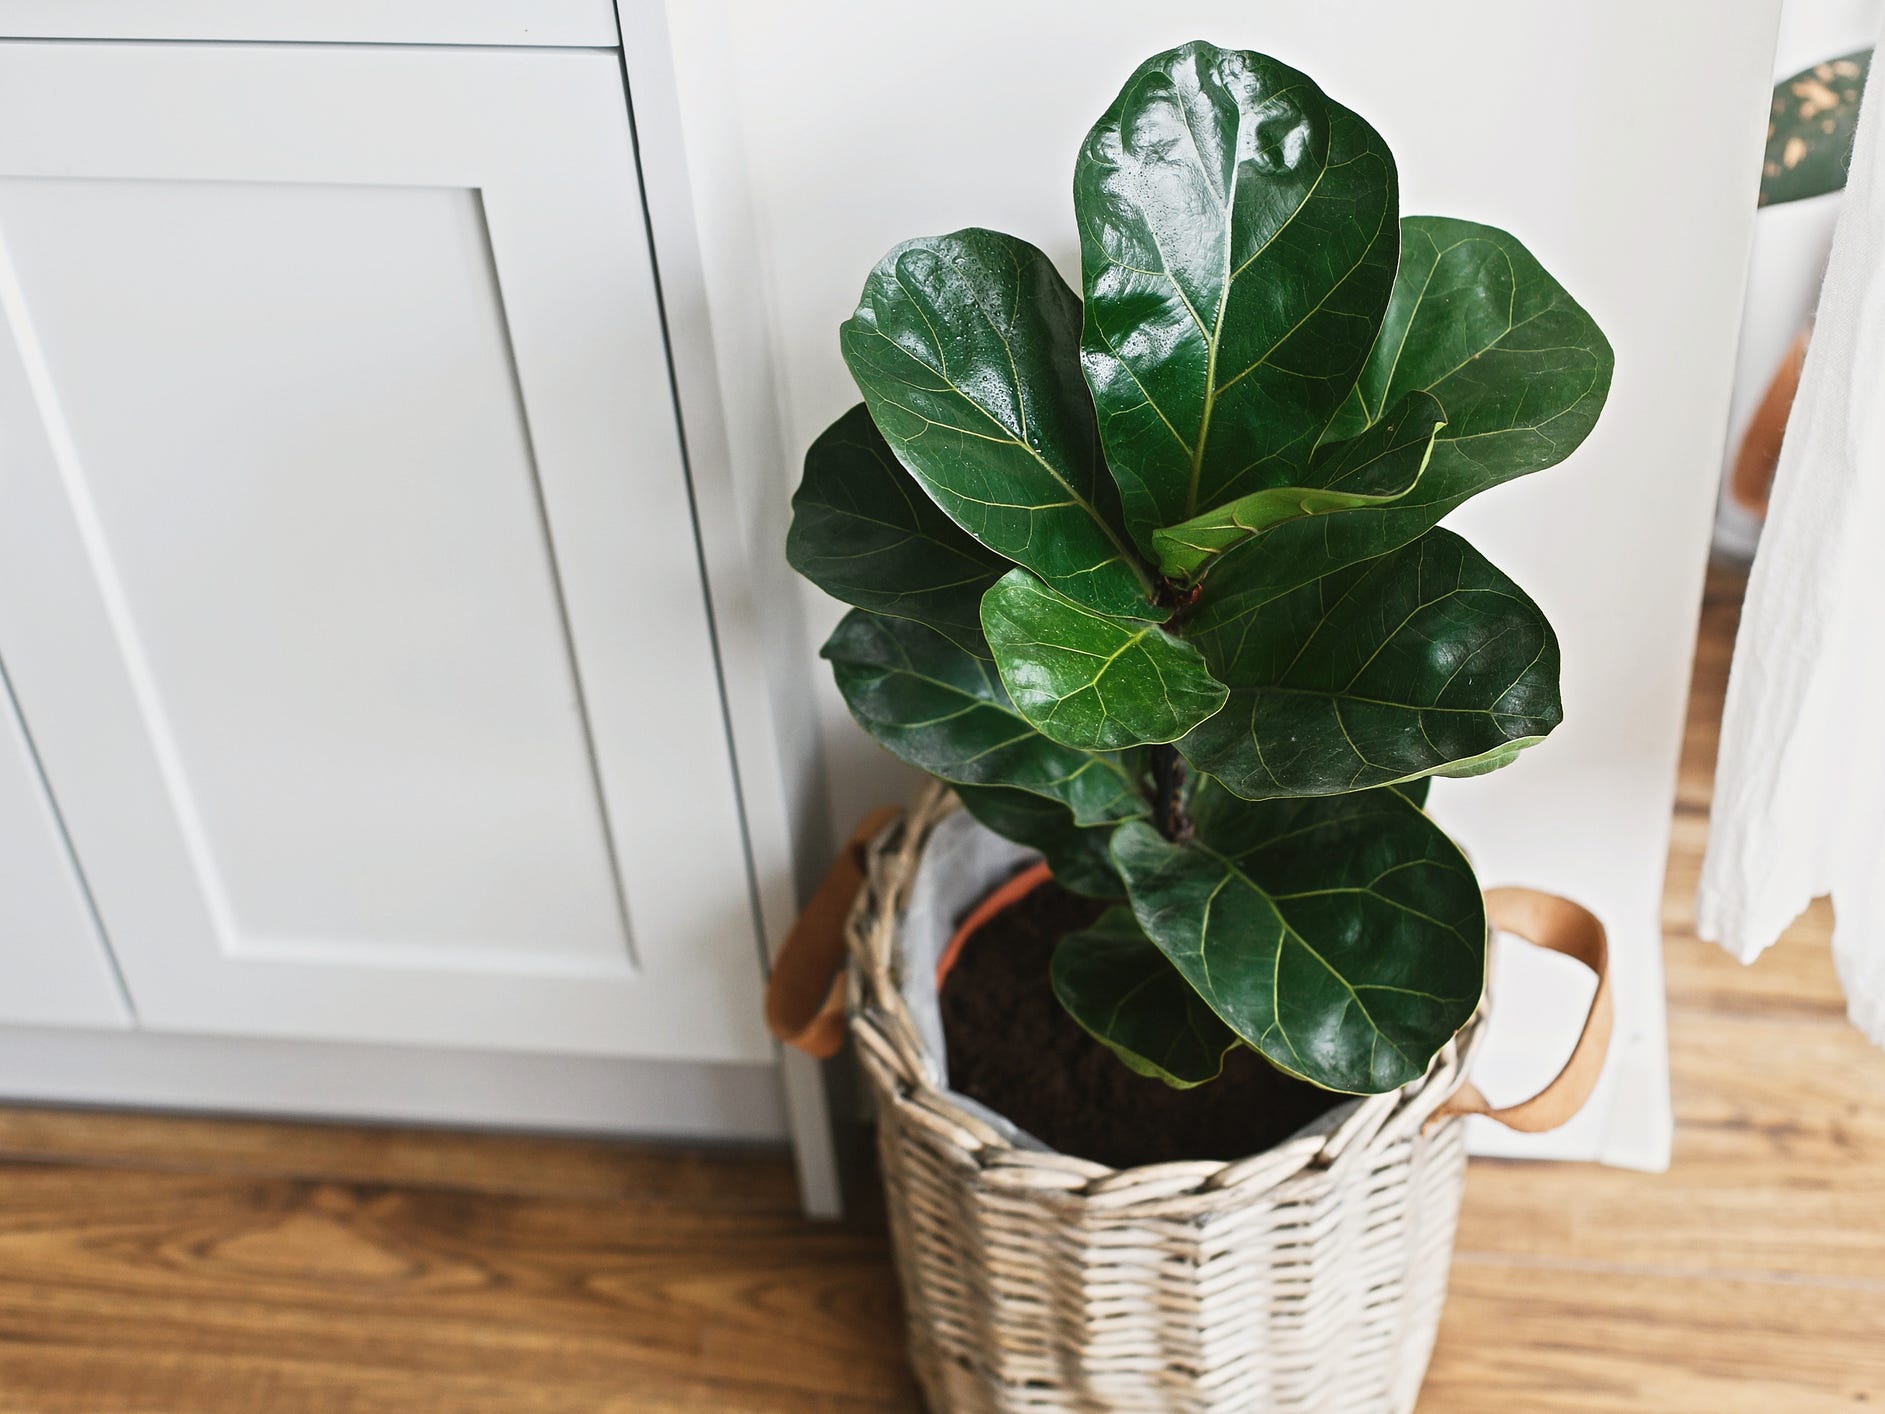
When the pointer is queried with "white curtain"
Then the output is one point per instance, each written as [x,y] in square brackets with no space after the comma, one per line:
[1800,785]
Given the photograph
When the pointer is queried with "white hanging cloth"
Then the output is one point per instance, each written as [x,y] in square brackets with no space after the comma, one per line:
[1800,783]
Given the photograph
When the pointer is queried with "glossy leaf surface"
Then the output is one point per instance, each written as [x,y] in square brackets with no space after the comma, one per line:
[1238,241]
[1520,370]
[1076,854]
[1116,983]
[1375,468]
[966,348]
[864,532]
[943,710]
[1089,680]
[1519,367]
[1424,660]
[1344,938]
[1128,996]
[1155,580]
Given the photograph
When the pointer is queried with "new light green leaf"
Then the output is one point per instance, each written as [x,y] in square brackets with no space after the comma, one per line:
[864,532]
[1344,938]
[1090,680]
[966,348]
[1238,241]
[943,710]
[1425,660]
[1116,983]
[1375,468]
[1077,854]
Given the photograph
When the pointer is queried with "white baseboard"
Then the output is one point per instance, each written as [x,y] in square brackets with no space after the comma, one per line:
[315,1080]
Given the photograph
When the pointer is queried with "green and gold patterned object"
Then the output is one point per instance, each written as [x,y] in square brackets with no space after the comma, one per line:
[1152,571]
[1810,129]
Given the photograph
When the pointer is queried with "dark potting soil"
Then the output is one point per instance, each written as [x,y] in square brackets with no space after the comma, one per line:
[1013,1047]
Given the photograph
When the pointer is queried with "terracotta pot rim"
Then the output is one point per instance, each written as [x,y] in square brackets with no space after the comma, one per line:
[998,900]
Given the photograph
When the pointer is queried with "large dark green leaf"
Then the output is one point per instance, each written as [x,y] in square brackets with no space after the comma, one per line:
[943,710]
[1427,659]
[966,347]
[1076,854]
[1342,937]
[1238,241]
[1115,982]
[1810,129]
[1091,680]
[1375,468]
[1521,370]
[864,532]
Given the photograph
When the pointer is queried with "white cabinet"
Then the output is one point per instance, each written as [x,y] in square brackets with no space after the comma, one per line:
[349,585]
[53,965]
[547,22]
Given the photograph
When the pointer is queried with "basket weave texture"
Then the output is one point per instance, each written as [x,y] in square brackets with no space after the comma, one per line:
[1308,1277]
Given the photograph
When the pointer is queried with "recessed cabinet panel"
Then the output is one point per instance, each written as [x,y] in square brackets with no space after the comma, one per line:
[54,970]
[347,572]
[296,430]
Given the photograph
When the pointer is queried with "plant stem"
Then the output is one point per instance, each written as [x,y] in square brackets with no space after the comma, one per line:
[1168,810]
[1168,767]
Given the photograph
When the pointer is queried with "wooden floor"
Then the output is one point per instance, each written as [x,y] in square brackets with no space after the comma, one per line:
[175,1266]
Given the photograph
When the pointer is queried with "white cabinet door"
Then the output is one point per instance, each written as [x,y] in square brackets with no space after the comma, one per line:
[54,970]
[348,580]
[531,22]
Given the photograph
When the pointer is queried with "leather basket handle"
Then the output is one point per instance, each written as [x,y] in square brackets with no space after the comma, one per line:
[1564,927]
[805,996]
[805,993]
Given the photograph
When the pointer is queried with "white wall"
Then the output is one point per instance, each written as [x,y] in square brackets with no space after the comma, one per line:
[1619,139]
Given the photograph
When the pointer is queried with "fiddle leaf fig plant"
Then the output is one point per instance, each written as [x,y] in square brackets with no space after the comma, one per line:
[1152,573]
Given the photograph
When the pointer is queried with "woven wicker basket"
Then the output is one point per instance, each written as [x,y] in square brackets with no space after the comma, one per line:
[1309,1277]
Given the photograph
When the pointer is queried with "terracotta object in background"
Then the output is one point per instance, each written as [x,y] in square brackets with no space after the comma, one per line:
[1759,454]
[805,995]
